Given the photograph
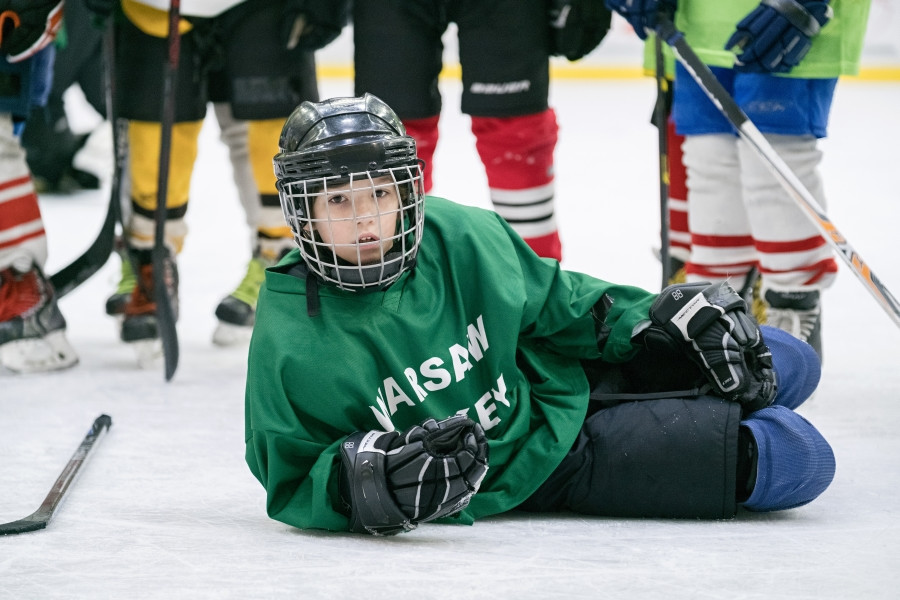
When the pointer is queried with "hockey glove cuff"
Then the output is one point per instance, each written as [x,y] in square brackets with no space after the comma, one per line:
[713,326]
[313,24]
[643,14]
[392,482]
[577,27]
[777,34]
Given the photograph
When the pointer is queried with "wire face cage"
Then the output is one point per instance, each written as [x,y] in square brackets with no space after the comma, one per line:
[357,231]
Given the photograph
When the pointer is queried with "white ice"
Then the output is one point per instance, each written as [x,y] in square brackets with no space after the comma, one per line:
[166,508]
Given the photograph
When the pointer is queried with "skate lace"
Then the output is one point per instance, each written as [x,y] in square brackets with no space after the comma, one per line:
[799,323]
[20,294]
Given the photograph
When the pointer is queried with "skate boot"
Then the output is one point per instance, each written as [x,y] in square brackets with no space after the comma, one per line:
[115,304]
[751,292]
[32,329]
[798,313]
[139,325]
[237,311]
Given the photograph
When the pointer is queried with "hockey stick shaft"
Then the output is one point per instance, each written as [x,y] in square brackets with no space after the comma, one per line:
[164,311]
[92,260]
[41,517]
[660,115]
[782,172]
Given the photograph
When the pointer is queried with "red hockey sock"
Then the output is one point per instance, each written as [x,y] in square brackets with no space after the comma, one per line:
[425,132]
[548,246]
[517,153]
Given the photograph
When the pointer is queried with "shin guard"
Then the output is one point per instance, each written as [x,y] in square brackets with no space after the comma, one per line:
[23,240]
[517,153]
[679,232]
[721,238]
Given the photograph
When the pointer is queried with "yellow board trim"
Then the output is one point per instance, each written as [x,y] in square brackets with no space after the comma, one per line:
[605,72]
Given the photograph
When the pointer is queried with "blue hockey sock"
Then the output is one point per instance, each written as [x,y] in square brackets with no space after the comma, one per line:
[794,462]
[797,366]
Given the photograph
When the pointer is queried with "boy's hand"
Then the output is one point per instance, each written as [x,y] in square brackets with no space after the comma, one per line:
[392,482]
[713,326]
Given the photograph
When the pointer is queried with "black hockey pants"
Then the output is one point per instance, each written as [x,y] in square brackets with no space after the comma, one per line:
[664,458]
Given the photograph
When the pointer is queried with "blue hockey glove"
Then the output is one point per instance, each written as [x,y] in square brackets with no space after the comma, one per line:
[391,482]
[313,24]
[643,14]
[777,34]
[28,26]
[712,325]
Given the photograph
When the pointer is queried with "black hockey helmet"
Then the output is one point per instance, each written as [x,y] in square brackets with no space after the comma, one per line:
[355,142]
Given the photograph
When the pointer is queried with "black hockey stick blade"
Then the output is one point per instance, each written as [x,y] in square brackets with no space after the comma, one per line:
[41,517]
[93,259]
[165,312]
[782,172]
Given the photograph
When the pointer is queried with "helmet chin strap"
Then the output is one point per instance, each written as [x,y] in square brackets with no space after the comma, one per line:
[370,276]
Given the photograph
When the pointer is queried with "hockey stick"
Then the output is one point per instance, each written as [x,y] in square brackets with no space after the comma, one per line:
[41,517]
[92,260]
[660,115]
[788,180]
[165,313]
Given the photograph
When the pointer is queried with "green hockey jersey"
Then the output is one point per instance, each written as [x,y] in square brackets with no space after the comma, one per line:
[481,327]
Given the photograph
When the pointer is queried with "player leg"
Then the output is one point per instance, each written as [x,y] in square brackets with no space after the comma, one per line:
[688,458]
[646,452]
[32,328]
[679,230]
[50,144]
[141,57]
[795,261]
[503,47]
[262,83]
[408,81]
[721,241]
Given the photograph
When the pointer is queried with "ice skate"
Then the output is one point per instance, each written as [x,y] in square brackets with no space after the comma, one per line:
[115,304]
[798,313]
[32,329]
[237,311]
[140,329]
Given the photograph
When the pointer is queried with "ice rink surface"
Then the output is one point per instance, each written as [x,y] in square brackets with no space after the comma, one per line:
[166,508]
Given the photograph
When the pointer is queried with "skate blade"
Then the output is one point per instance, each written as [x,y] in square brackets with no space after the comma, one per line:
[227,334]
[33,355]
[149,353]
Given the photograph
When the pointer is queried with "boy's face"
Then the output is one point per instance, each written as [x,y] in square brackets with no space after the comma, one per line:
[359,223]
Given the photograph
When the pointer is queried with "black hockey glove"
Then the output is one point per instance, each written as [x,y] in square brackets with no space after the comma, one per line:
[577,26]
[313,24]
[643,14]
[392,482]
[27,26]
[712,325]
[776,36]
